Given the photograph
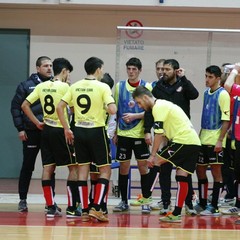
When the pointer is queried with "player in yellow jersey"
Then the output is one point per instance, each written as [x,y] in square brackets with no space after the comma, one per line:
[91,100]
[94,171]
[214,126]
[130,136]
[54,150]
[182,147]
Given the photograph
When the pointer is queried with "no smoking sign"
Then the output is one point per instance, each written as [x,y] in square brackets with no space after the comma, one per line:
[134,33]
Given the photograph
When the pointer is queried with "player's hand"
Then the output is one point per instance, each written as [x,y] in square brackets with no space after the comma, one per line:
[69,136]
[150,161]
[218,147]
[148,139]
[128,117]
[40,125]
[22,136]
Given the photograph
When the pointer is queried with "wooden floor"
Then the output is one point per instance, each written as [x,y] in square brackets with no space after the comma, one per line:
[133,225]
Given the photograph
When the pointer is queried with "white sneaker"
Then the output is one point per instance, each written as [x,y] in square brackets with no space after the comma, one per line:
[228,202]
[231,211]
[156,206]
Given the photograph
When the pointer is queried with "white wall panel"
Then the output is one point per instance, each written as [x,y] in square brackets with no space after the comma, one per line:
[167,3]
[136,3]
[80,33]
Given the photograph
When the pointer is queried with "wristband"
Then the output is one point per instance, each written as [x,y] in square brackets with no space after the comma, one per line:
[235,71]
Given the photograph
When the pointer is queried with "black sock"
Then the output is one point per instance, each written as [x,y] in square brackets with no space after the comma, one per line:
[217,189]
[123,187]
[145,185]
[201,185]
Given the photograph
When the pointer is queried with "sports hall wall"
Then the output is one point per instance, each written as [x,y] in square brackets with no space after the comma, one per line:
[77,33]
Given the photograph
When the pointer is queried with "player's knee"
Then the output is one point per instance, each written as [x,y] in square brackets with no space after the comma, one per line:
[181,179]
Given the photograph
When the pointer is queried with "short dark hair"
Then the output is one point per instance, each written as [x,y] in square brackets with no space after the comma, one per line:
[134,62]
[108,80]
[41,59]
[160,61]
[172,62]
[140,91]
[215,70]
[92,64]
[59,64]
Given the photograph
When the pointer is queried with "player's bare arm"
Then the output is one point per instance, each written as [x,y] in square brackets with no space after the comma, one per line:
[129,117]
[27,110]
[67,131]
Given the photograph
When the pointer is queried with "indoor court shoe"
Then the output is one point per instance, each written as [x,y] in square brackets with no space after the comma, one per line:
[227,202]
[55,204]
[57,207]
[146,209]
[53,212]
[171,218]
[121,207]
[199,208]
[98,215]
[157,206]
[22,206]
[166,209]
[190,211]
[105,212]
[73,213]
[231,211]
[85,217]
[141,201]
[210,211]
[137,201]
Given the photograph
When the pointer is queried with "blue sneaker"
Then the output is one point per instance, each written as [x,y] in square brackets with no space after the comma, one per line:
[121,207]
[146,209]
[210,211]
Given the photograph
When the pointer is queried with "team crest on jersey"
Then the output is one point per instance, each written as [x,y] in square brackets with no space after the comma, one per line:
[131,103]
[179,89]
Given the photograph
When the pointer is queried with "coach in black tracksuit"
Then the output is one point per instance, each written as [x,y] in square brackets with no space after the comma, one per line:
[178,90]
[27,131]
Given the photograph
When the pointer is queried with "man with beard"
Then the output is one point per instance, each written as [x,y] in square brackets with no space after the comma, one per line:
[173,86]
[181,150]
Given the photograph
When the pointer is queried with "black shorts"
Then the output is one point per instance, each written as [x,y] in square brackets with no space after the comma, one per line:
[207,156]
[54,149]
[92,146]
[126,145]
[94,168]
[181,156]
